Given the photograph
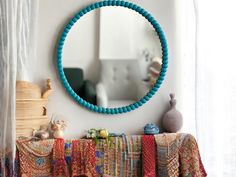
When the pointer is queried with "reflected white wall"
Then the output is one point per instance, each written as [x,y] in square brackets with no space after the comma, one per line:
[81,46]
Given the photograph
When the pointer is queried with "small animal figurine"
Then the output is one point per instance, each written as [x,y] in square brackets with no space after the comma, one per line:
[151,129]
[42,133]
[172,120]
[57,128]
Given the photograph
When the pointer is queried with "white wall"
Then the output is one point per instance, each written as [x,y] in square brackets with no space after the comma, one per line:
[53,15]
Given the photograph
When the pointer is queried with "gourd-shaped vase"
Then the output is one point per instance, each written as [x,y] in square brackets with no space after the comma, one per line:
[172,121]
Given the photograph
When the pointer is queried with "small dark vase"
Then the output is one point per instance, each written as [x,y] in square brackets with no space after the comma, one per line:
[172,121]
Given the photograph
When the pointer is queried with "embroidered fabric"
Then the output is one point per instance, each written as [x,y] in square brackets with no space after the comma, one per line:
[177,155]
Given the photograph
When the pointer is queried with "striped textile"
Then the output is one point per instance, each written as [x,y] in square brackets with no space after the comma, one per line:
[120,157]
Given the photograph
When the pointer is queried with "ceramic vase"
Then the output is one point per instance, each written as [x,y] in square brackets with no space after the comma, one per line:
[172,121]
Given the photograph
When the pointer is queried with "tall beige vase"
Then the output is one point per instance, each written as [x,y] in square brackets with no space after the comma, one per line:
[172,121]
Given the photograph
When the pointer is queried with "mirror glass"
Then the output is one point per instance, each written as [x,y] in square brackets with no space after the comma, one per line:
[112,57]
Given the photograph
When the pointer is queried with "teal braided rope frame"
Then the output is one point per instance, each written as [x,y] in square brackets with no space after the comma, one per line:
[159,32]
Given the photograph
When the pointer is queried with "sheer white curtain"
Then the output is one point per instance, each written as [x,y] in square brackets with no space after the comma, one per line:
[26,22]
[17,26]
[8,67]
[208,78]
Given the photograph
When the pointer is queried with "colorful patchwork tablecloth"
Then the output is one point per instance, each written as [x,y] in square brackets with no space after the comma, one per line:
[176,155]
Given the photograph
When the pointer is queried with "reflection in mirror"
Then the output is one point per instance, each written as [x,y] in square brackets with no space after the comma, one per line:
[112,57]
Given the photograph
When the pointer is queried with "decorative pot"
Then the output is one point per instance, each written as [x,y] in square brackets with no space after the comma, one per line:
[151,129]
[58,134]
[172,120]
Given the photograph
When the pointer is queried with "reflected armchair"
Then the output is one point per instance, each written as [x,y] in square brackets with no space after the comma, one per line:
[120,83]
[84,88]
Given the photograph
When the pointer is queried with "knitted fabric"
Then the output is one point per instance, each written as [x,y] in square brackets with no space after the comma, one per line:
[178,156]
[190,160]
[149,156]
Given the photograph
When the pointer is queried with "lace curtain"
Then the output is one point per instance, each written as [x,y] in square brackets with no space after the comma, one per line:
[17,51]
[207,35]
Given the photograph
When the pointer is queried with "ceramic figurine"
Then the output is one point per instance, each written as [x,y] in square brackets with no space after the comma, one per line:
[151,129]
[172,120]
[42,133]
[57,128]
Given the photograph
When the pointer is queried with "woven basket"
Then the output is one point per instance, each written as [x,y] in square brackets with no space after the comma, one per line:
[26,125]
[24,133]
[27,90]
[26,108]
[31,121]
[31,110]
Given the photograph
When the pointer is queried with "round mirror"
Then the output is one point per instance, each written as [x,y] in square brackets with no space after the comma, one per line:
[114,58]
